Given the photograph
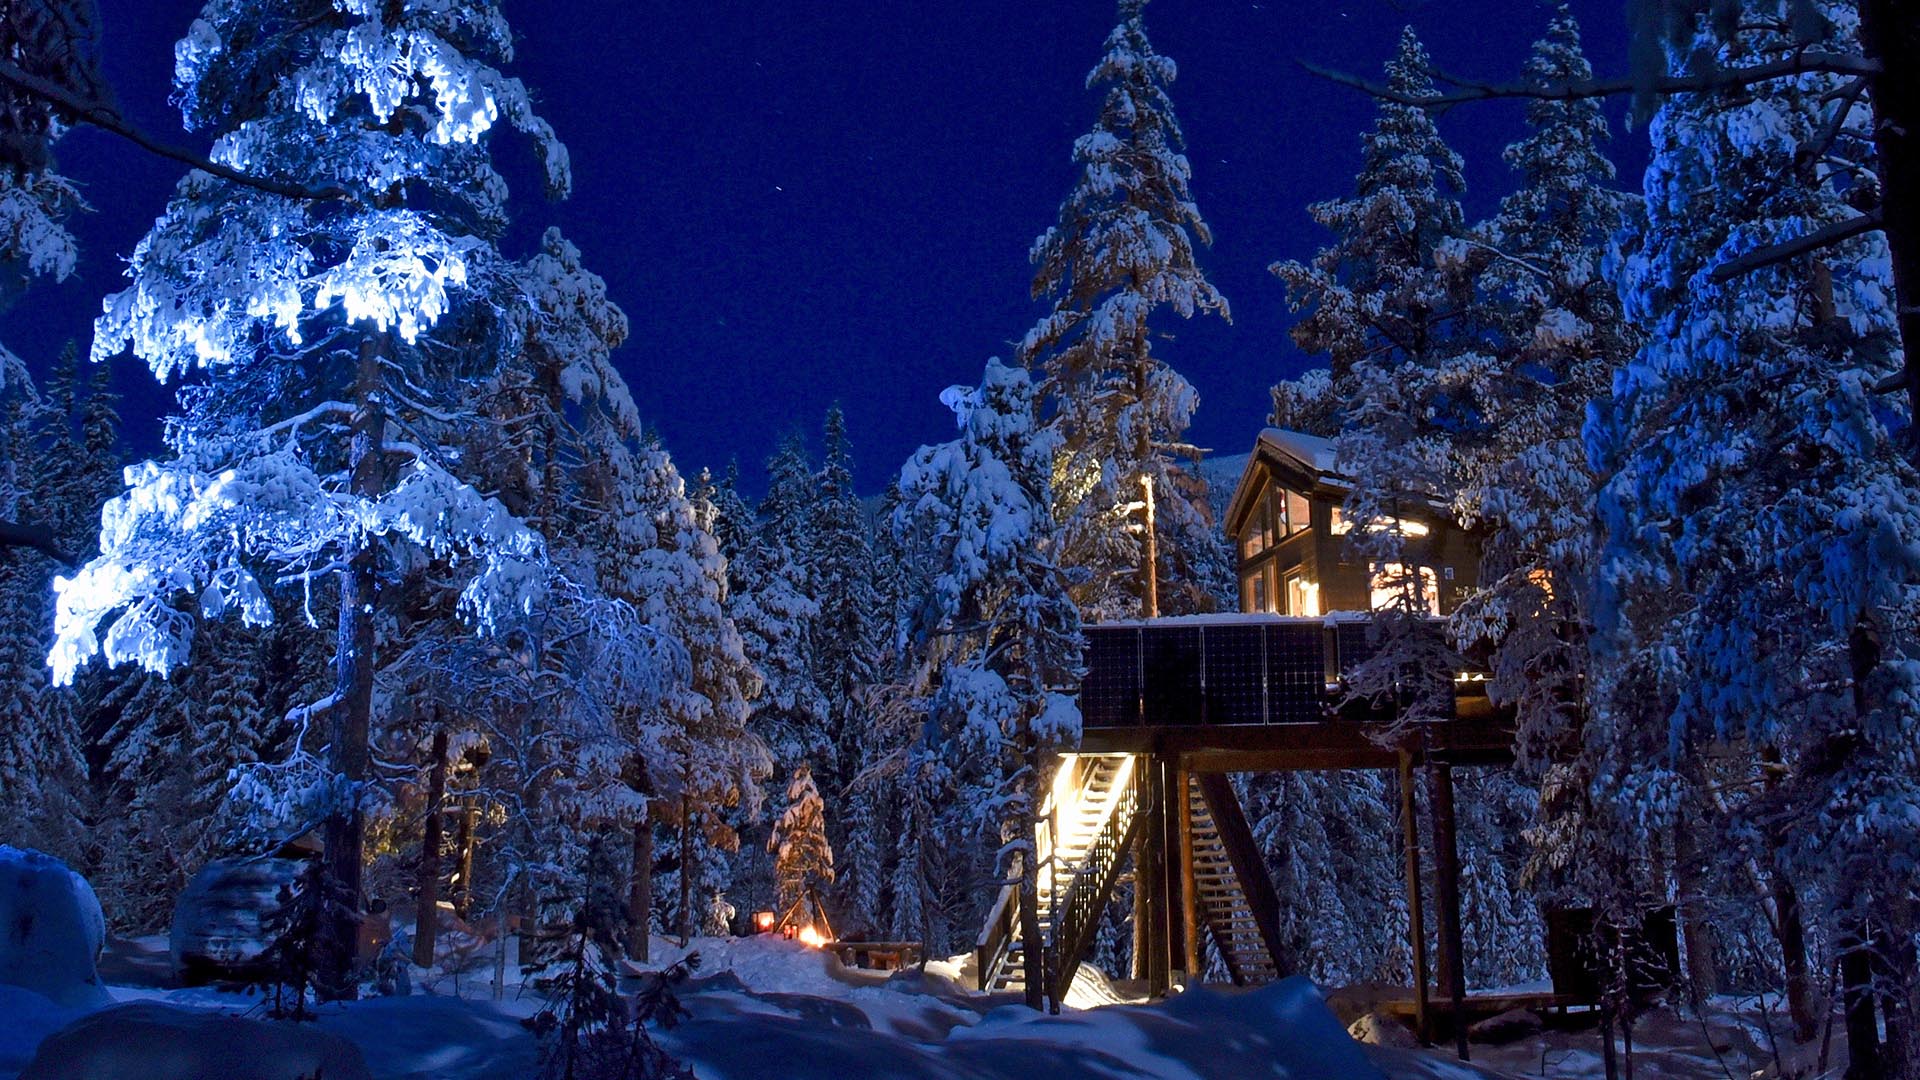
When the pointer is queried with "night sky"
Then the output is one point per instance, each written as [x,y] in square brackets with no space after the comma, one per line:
[798,204]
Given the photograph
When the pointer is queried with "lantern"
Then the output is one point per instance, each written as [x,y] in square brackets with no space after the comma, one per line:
[762,921]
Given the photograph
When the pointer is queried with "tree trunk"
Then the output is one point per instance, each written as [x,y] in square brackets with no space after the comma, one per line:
[1803,997]
[1416,922]
[1890,33]
[686,871]
[640,893]
[427,921]
[1856,990]
[1033,954]
[1696,930]
[463,858]
[351,718]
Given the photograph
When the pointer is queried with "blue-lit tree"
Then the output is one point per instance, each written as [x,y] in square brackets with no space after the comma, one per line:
[331,340]
[1761,565]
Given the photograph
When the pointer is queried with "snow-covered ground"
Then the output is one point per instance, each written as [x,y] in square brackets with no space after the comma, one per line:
[768,1009]
[774,1009]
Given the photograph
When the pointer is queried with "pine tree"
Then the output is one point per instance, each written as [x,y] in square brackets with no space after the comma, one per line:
[1758,576]
[777,612]
[844,636]
[336,338]
[1122,250]
[1386,309]
[997,629]
[803,859]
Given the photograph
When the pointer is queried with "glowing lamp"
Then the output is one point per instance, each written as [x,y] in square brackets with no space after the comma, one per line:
[787,932]
[810,937]
[762,921]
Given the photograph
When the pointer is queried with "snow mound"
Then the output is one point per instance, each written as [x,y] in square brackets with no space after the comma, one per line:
[149,1041]
[53,930]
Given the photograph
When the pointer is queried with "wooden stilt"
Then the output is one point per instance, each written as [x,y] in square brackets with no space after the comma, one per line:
[1189,900]
[426,922]
[1153,872]
[1446,893]
[1142,869]
[1416,921]
[640,893]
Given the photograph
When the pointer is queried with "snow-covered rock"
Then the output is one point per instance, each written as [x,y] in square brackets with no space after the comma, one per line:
[51,930]
[1379,1029]
[150,1041]
[1506,1027]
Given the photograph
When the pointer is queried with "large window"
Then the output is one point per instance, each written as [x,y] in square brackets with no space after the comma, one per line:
[1288,511]
[1392,581]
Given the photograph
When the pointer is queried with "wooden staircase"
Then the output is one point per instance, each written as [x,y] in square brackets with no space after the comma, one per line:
[1221,893]
[1087,830]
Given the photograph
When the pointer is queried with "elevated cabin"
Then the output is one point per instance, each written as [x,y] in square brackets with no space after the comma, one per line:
[1290,539]
[1169,707]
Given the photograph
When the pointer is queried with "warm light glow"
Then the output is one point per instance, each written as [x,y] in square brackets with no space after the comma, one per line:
[1390,584]
[810,937]
[762,921]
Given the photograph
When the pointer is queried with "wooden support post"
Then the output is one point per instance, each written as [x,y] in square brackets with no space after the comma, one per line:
[1416,921]
[1446,893]
[1142,872]
[1189,898]
[426,922]
[1167,897]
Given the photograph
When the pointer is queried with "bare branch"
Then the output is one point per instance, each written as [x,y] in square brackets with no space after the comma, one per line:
[1803,63]
[1826,236]
[38,537]
[106,119]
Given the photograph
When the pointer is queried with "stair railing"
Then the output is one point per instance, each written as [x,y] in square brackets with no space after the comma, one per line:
[1077,912]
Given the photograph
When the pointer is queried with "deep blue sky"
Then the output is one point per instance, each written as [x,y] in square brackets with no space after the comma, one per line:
[803,203]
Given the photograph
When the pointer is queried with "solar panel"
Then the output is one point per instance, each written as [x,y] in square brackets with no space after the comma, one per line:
[1236,674]
[1355,643]
[1296,672]
[1170,665]
[1110,693]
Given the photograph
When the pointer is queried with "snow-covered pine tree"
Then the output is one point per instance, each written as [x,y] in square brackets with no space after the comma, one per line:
[1556,337]
[1758,577]
[334,338]
[802,857]
[844,632]
[779,607]
[1123,250]
[1385,310]
[997,630]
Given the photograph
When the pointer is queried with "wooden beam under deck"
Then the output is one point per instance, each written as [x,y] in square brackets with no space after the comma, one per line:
[1333,744]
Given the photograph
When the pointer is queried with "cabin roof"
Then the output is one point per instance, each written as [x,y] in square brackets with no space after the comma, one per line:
[1312,457]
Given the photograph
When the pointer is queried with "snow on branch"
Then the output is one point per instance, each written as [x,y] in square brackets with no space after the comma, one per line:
[1773,254]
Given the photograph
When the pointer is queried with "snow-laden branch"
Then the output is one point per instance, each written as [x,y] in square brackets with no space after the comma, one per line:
[1809,62]
[1773,254]
[106,119]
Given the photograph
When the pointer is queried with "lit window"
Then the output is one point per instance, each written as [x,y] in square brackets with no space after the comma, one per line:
[1252,542]
[1341,525]
[1299,517]
[1303,596]
[1259,598]
[1391,581]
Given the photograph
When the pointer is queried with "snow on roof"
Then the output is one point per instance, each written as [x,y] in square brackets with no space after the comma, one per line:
[1312,451]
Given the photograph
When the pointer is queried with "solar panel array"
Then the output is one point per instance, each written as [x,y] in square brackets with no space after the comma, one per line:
[1215,674]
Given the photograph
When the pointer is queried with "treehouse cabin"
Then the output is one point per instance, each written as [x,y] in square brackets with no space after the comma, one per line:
[1170,707]
[1290,539]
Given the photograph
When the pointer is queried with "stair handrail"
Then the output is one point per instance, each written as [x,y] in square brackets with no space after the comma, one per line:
[996,936]
[1075,914]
